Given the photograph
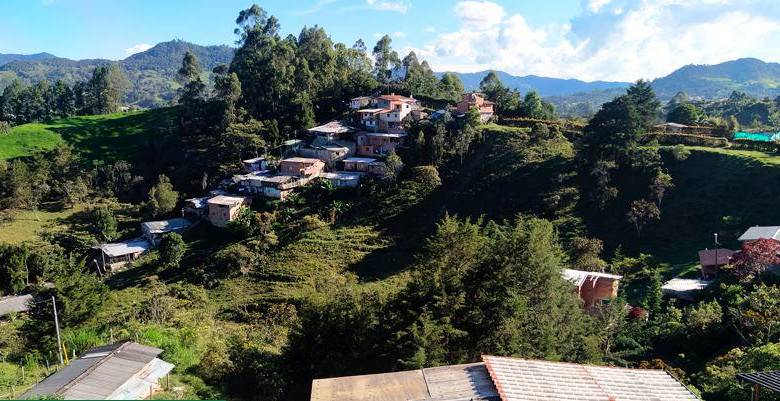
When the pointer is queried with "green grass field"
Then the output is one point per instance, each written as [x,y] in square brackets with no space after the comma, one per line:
[99,139]
[26,225]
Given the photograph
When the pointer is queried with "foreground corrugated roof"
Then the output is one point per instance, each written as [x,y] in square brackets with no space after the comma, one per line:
[469,382]
[102,373]
[530,380]
[768,380]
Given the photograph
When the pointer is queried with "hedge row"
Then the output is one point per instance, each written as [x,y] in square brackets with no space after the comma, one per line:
[687,139]
[746,144]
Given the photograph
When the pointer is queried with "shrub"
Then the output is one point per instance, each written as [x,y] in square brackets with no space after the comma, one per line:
[427,177]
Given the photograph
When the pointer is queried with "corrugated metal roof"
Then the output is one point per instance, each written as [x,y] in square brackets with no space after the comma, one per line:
[126,247]
[15,304]
[165,226]
[759,232]
[768,380]
[445,383]
[333,127]
[98,373]
[523,380]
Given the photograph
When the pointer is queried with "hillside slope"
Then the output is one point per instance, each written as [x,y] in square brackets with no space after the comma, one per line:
[101,139]
[755,77]
[716,190]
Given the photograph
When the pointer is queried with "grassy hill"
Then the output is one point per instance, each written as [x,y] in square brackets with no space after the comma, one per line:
[100,139]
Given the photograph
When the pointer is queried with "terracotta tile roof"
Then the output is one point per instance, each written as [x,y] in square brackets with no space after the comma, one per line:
[528,380]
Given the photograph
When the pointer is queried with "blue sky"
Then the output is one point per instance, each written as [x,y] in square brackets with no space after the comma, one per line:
[587,39]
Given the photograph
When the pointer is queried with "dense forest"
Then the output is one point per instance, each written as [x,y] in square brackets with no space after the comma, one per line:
[453,252]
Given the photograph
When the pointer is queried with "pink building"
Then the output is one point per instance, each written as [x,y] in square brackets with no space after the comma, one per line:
[469,100]
[302,167]
[224,209]
[377,143]
[593,287]
[387,113]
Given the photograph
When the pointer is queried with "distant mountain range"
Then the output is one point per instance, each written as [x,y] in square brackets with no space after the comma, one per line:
[152,74]
[753,76]
[7,58]
[543,85]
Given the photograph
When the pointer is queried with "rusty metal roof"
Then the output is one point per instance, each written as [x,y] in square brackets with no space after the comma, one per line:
[98,373]
[522,380]
[445,383]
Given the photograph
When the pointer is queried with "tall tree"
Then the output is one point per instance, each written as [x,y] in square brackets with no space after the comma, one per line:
[106,89]
[385,59]
[191,94]
[450,86]
[613,133]
[647,104]
[162,197]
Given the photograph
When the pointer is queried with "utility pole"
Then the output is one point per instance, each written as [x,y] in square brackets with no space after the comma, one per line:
[717,245]
[57,327]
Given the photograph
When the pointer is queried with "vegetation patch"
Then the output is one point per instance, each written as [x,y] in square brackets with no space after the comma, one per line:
[99,138]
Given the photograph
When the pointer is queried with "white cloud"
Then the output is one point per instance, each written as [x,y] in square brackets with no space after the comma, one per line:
[430,29]
[401,6]
[596,5]
[398,34]
[141,47]
[479,15]
[612,39]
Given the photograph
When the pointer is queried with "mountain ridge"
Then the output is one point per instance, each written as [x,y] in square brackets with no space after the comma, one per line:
[152,74]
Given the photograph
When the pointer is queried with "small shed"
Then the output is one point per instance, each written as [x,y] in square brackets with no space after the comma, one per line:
[120,371]
[154,230]
[116,255]
[593,287]
[255,164]
[671,128]
[196,208]
[712,259]
[343,179]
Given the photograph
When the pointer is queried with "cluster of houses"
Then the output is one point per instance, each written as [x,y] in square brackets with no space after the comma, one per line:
[711,261]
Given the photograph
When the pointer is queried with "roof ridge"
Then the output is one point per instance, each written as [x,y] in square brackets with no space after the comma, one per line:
[92,368]
[492,374]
